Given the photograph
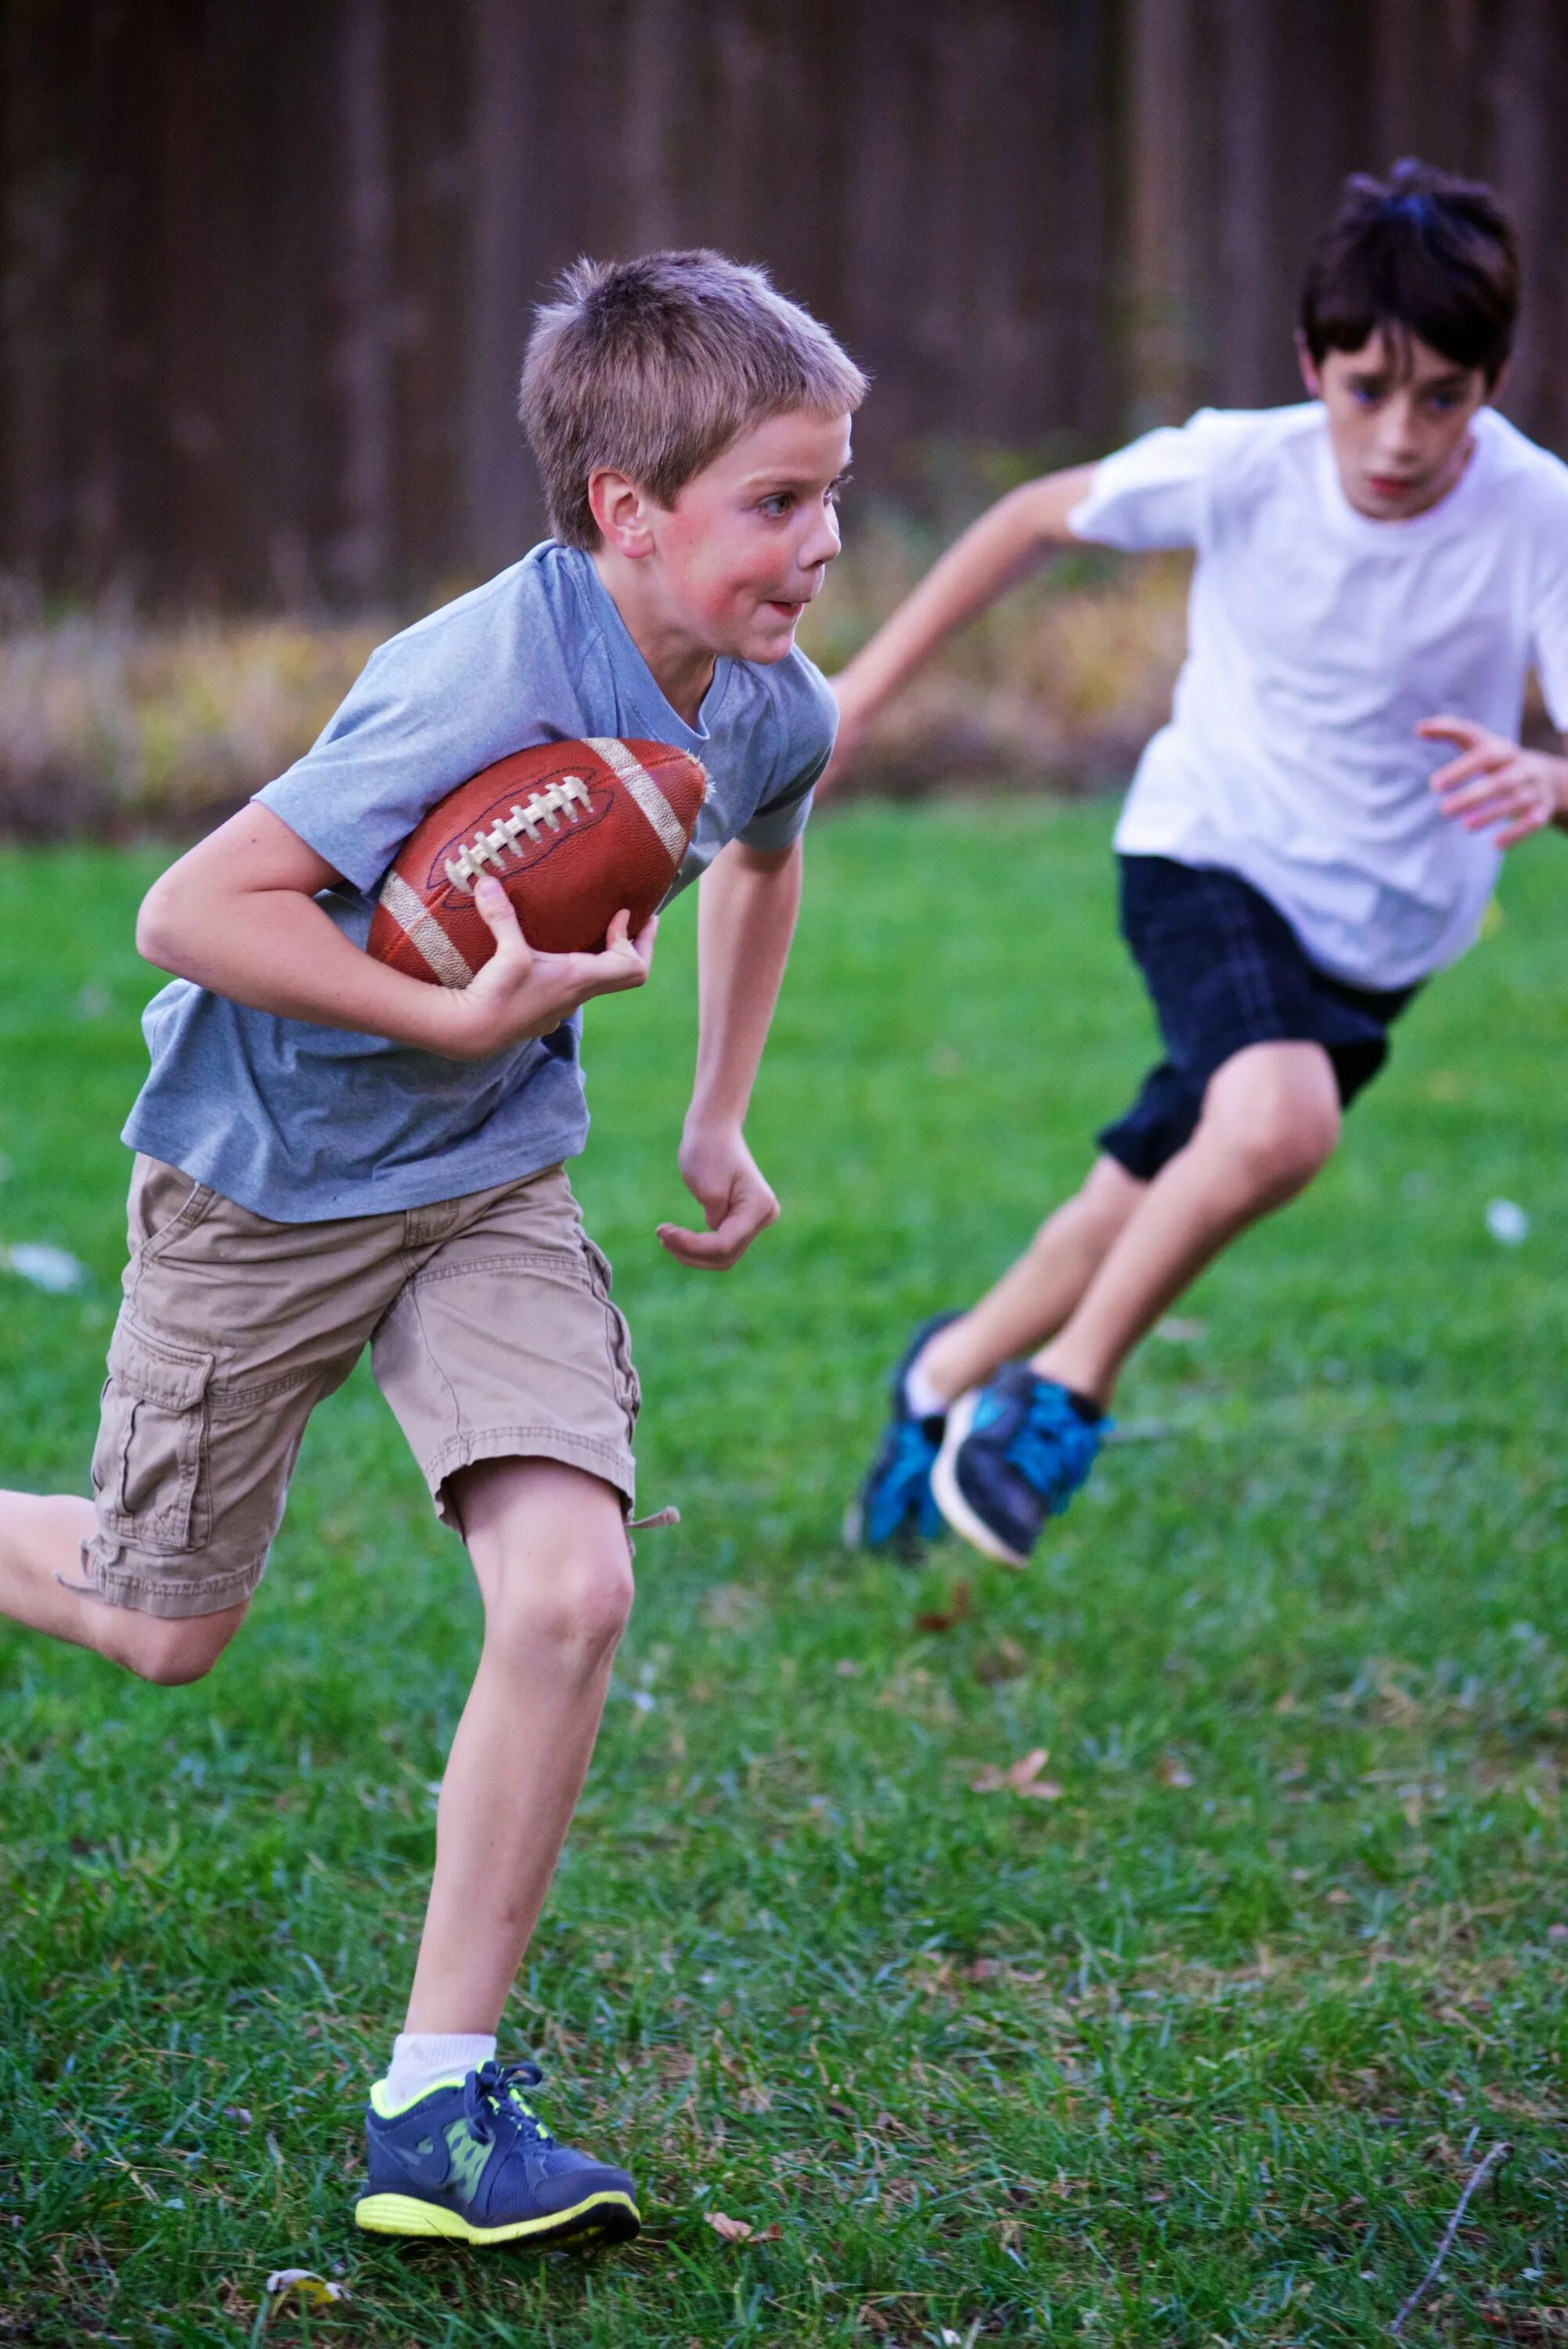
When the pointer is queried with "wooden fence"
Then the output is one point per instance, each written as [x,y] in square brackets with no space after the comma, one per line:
[267,265]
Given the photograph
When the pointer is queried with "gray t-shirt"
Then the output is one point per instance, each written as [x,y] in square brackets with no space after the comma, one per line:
[300,1123]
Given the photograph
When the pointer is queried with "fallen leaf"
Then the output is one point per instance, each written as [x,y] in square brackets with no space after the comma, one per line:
[1004,1661]
[727,1605]
[1172,1771]
[848,1670]
[1042,1790]
[1288,1702]
[1020,1775]
[304,2285]
[739,2230]
[1338,1897]
[755,2100]
[946,1619]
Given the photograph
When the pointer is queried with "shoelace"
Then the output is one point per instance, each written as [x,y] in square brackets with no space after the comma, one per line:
[1054,1448]
[492,2095]
[905,1484]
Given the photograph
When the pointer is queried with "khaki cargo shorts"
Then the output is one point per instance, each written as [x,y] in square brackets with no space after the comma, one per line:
[491,1335]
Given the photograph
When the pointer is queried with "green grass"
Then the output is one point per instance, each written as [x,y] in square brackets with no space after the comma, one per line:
[1200,2053]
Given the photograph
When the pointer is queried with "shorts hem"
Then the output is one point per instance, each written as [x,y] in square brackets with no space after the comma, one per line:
[173,1601]
[1142,1157]
[606,1461]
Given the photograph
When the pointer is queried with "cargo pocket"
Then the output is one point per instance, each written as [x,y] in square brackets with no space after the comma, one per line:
[628,1387]
[149,1464]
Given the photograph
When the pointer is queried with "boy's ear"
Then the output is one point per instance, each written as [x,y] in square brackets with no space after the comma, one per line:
[619,512]
[1308,366]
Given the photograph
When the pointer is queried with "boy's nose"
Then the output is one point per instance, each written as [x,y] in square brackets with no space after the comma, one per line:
[1398,436]
[822,544]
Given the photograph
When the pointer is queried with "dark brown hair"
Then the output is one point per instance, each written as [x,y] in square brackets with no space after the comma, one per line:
[1422,253]
[654,366]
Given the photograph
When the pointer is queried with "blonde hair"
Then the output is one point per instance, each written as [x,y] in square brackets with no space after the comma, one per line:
[654,366]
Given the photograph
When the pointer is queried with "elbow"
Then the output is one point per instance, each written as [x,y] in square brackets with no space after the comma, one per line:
[158,927]
[1043,507]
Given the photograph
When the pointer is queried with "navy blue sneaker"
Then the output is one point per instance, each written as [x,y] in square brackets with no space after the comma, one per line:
[472,2161]
[894,1509]
[1014,1454]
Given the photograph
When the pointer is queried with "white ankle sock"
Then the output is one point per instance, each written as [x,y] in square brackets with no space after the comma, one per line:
[421,2058]
[920,1394]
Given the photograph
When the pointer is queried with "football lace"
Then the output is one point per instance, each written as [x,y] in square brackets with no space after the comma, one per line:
[544,808]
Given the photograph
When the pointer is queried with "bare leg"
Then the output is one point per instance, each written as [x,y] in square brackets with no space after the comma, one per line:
[1270,1119]
[41,1537]
[549,1547]
[1036,1296]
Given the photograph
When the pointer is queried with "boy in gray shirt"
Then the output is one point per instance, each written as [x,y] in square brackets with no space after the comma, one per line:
[332,1154]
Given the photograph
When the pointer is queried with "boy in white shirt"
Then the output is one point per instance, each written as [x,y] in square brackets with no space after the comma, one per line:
[1377,570]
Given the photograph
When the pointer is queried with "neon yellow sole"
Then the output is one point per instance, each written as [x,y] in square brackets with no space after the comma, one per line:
[403,2214]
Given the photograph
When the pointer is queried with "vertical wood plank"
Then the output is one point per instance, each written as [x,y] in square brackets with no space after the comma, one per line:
[267,266]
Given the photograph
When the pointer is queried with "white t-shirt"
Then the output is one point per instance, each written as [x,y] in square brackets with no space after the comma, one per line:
[1316,640]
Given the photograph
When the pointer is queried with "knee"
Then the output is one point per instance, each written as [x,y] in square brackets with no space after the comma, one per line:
[171,1654]
[580,1615]
[1283,1129]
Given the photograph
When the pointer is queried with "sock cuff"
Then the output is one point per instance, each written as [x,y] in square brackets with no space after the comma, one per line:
[469,2048]
[921,1398]
[421,2058]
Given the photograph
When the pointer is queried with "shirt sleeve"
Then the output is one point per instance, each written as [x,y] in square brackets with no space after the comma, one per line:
[430,709]
[1155,491]
[1549,620]
[781,818]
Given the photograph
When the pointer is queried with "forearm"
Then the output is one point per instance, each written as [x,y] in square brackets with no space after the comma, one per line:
[278,951]
[1559,772]
[1009,542]
[747,907]
[239,913]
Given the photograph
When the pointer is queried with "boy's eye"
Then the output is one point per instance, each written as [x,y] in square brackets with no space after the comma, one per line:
[1366,390]
[778,505]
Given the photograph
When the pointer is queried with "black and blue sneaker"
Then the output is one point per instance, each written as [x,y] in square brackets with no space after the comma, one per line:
[1014,1454]
[894,1509]
[471,2160]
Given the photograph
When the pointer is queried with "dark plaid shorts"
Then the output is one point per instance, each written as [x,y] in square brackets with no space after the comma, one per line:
[1224,969]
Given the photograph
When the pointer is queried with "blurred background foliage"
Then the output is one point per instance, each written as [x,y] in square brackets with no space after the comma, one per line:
[125,726]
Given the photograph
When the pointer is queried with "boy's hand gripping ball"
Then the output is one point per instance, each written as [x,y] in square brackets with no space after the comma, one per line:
[572,830]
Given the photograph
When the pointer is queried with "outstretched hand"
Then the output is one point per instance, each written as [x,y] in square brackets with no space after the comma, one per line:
[735,1196]
[519,993]
[1496,781]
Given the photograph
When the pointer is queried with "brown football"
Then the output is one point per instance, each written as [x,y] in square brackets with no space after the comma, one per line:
[572,830]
